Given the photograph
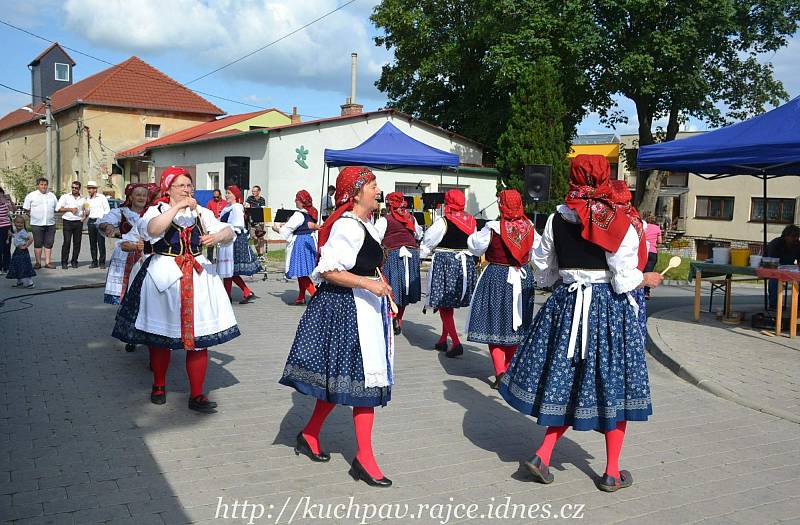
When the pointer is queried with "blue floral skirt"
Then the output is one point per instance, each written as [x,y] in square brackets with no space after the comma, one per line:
[609,386]
[303,258]
[491,318]
[638,295]
[245,261]
[447,278]
[325,359]
[395,272]
[20,266]
[125,326]
[111,299]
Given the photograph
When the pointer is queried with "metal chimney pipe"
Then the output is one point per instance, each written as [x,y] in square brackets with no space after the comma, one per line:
[353,62]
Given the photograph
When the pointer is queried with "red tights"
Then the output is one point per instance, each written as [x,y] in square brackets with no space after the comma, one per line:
[363,418]
[614,439]
[501,357]
[228,281]
[399,315]
[196,367]
[448,326]
[305,284]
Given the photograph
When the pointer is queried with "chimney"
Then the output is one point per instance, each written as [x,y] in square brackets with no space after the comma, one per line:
[350,107]
[295,116]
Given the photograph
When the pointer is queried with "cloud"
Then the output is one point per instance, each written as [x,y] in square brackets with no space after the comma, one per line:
[211,34]
[785,63]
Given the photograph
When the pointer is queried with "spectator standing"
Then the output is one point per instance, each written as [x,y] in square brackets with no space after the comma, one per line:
[98,208]
[40,204]
[6,209]
[215,204]
[653,235]
[256,228]
[328,203]
[786,249]
[71,205]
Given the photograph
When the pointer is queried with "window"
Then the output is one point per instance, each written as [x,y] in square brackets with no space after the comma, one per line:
[62,72]
[151,131]
[779,211]
[717,208]
[213,180]
[444,188]
[411,188]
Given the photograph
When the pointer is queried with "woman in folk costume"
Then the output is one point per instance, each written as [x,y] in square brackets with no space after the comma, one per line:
[343,350]
[582,362]
[502,305]
[122,223]
[301,252]
[399,233]
[621,196]
[176,300]
[451,278]
[236,259]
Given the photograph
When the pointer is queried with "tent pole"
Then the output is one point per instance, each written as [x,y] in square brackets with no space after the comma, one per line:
[764,248]
[324,190]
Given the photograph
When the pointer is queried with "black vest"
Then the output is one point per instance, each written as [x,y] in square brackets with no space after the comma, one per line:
[370,256]
[573,251]
[454,238]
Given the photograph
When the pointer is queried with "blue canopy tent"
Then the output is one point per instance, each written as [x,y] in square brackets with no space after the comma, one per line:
[388,148]
[766,146]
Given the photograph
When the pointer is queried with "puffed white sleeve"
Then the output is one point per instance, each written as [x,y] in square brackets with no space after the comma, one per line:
[418,231]
[151,213]
[236,218]
[623,263]
[381,225]
[114,218]
[288,228]
[478,242]
[340,251]
[544,257]
[433,236]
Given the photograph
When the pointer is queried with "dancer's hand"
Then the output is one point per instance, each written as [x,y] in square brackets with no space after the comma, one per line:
[652,279]
[208,239]
[379,288]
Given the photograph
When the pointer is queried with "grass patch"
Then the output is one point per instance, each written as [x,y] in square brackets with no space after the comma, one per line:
[681,273]
[276,255]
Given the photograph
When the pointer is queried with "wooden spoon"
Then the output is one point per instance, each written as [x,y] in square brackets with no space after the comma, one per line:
[674,262]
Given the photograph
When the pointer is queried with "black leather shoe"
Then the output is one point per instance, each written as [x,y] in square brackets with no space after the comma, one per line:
[358,472]
[611,484]
[539,470]
[396,327]
[302,447]
[247,299]
[158,396]
[455,351]
[130,348]
[202,404]
[74,265]
[93,265]
[442,347]
[497,379]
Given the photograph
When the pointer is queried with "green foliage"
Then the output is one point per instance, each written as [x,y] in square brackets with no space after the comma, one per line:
[535,133]
[22,180]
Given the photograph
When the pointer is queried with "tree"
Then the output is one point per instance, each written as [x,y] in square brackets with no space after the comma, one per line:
[681,58]
[21,180]
[535,132]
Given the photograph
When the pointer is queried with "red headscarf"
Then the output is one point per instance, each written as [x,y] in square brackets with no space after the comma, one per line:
[348,184]
[621,196]
[516,229]
[167,178]
[305,199]
[454,202]
[237,192]
[590,196]
[397,205]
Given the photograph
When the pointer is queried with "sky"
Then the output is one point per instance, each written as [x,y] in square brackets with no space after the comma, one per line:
[186,39]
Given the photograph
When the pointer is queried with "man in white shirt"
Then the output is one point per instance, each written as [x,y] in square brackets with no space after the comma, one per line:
[98,207]
[40,204]
[74,215]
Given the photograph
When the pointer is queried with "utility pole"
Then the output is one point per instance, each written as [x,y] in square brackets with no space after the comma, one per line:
[48,117]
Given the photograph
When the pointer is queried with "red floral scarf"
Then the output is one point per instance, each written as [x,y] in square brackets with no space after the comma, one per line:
[516,229]
[454,202]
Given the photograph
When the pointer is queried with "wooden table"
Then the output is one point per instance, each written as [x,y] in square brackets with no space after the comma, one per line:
[784,278]
[700,270]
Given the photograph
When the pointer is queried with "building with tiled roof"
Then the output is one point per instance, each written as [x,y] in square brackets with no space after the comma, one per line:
[97,117]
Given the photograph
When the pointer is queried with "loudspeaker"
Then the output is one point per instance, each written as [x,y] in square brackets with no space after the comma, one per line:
[431,200]
[537,182]
[237,171]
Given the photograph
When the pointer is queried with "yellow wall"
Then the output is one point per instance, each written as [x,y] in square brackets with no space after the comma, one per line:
[265,120]
[90,138]
[607,150]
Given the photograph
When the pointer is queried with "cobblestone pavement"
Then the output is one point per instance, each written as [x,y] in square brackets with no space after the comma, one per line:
[81,443]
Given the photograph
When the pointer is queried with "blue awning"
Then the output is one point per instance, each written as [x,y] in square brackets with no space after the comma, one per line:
[390,147]
[768,144]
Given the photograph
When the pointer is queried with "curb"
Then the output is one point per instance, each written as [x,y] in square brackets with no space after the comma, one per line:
[660,350]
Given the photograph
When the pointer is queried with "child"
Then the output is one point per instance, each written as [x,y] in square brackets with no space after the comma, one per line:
[21,268]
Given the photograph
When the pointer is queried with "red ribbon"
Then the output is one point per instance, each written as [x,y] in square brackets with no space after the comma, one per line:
[187,263]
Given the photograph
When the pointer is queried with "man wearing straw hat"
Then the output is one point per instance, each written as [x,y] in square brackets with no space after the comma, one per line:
[98,207]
